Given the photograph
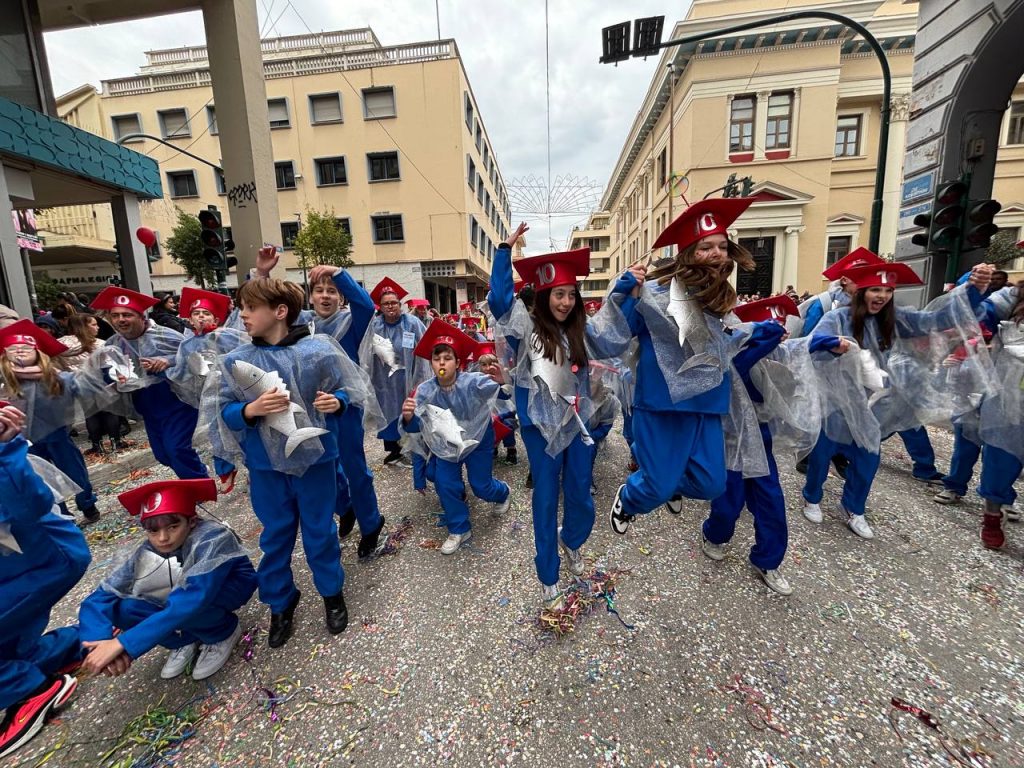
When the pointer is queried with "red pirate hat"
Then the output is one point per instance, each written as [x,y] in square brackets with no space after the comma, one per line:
[413,303]
[484,348]
[857,258]
[470,320]
[31,335]
[593,304]
[554,269]
[168,497]
[703,219]
[451,319]
[387,285]
[115,297]
[465,305]
[439,332]
[885,274]
[776,308]
[218,304]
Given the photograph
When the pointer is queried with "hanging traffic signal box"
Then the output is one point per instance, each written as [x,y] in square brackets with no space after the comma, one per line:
[944,223]
[978,225]
[215,246]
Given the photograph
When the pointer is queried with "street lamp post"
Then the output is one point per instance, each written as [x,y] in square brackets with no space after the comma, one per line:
[647,42]
[302,262]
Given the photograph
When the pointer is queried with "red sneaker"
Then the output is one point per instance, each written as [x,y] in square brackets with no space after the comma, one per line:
[992,531]
[23,721]
[227,482]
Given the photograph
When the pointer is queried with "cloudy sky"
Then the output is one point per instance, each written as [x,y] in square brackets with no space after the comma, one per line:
[502,43]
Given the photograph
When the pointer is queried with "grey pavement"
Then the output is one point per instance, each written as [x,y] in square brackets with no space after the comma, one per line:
[443,662]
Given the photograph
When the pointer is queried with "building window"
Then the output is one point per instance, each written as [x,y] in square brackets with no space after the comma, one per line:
[663,168]
[345,224]
[285,174]
[125,125]
[479,137]
[182,183]
[471,173]
[330,171]
[469,110]
[278,112]
[487,158]
[848,135]
[387,229]
[383,166]
[837,248]
[174,123]
[1015,129]
[220,182]
[741,124]
[289,231]
[325,108]
[780,118]
[378,103]
[480,189]
[211,120]
[474,230]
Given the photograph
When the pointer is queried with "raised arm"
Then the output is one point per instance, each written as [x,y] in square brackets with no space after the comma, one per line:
[502,293]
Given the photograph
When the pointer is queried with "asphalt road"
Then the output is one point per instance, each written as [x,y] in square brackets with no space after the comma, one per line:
[443,661]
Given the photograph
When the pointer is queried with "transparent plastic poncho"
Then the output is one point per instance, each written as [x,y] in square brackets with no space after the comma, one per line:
[453,421]
[62,486]
[1002,412]
[386,353]
[139,572]
[196,357]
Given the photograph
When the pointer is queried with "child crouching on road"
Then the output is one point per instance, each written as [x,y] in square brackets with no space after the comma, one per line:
[179,589]
[450,416]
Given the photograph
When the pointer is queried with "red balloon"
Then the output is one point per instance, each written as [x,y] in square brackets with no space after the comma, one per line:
[146,236]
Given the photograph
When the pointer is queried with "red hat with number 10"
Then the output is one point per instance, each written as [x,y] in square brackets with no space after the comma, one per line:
[703,219]
[27,333]
[776,308]
[553,270]
[856,258]
[168,497]
[885,275]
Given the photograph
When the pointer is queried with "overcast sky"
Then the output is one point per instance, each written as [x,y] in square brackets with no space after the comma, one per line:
[502,45]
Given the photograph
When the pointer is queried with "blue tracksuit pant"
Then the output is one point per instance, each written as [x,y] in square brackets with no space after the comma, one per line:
[479,471]
[30,659]
[358,486]
[509,440]
[211,625]
[999,471]
[860,473]
[58,449]
[680,454]
[222,467]
[390,432]
[570,474]
[919,446]
[764,498]
[284,503]
[170,424]
[961,465]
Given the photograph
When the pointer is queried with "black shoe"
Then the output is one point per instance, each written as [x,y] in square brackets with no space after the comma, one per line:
[281,624]
[801,466]
[346,523]
[74,432]
[392,457]
[368,543]
[337,613]
[840,462]
[125,427]
[529,479]
[511,456]
[617,519]
[95,450]
[91,514]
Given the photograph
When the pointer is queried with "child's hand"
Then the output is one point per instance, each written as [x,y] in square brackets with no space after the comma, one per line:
[266,259]
[326,402]
[12,421]
[101,653]
[408,409]
[154,364]
[118,666]
[269,402]
[320,271]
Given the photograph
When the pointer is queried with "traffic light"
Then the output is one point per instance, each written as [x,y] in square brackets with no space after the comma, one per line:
[215,245]
[748,186]
[730,189]
[978,227]
[944,224]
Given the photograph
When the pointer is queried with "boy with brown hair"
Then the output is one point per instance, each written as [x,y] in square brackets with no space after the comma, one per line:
[262,407]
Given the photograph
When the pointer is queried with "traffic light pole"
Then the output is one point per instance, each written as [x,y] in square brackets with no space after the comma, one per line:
[883,136]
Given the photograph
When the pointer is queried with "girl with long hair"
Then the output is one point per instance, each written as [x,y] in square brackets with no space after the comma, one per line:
[684,386]
[81,341]
[881,330]
[554,343]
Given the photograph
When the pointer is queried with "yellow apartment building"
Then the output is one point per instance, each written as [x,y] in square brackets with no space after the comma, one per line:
[795,107]
[388,137]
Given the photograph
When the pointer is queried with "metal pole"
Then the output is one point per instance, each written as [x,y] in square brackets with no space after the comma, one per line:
[305,280]
[872,41]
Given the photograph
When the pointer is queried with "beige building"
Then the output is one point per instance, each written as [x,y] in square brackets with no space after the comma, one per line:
[596,235]
[797,108]
[388,137]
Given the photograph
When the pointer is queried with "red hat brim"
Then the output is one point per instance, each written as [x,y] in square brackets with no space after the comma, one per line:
[553,270]
[217,303]
[773,308]
[855,258]
[176,497]
[26,329]
[440,332]
[108,299]
[886,274]
[703,219]
[387,285]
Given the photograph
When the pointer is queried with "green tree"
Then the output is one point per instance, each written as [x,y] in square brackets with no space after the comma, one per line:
[46,290]
[322,240]
[1003,248]
[186,249]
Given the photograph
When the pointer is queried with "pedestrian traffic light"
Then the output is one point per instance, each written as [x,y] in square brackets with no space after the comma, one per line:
[944,224]
[978,227]
[212,237]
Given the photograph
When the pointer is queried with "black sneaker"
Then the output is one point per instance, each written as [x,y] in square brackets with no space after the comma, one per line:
[529,479]
[392,457]
[336,612]
[282,624]
[675,505]
[95,450]
[511,456]
[801,466]
[368,543]
[618,519]
[26,718]
[91,514]
[346,523]
[840,463]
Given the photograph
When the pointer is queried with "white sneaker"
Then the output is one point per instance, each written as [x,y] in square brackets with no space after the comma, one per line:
[947,496]
[813,512]
[213,657]
[1011,514]
[618,519]
[714,551]
[551,596]
[177,660]
[675,506]
[574,556]
[859,525]
[775,581]
[454,541]
[405,462]
[501,507]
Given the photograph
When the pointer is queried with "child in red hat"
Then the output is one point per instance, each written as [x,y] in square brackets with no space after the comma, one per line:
[485,360]
[449,419]
[180,588]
